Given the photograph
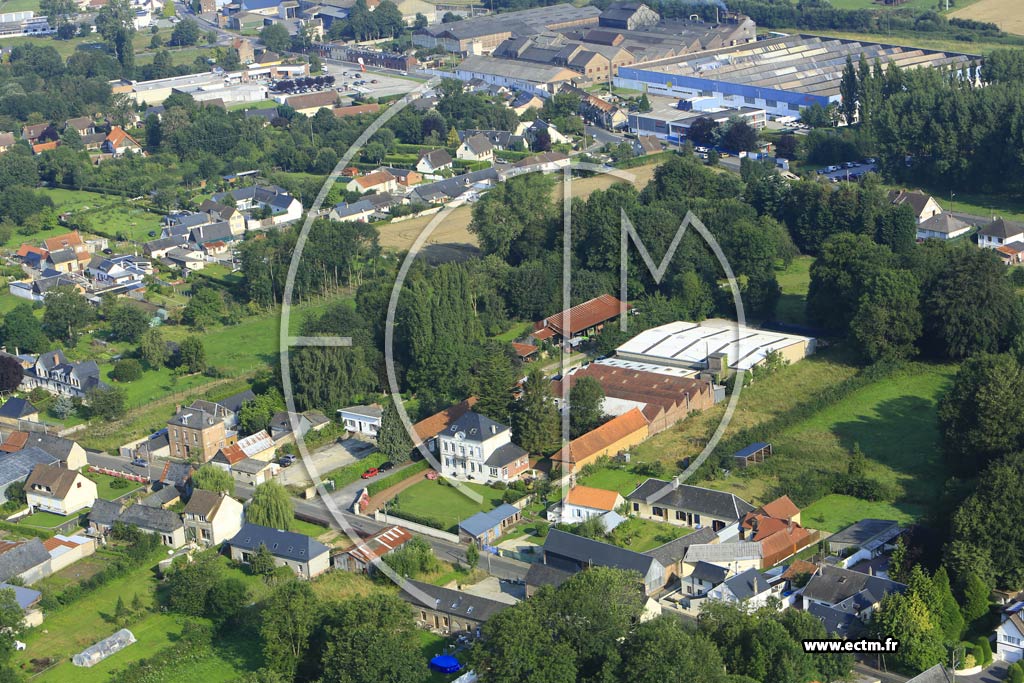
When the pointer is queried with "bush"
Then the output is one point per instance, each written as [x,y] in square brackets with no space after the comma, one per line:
[983,651]
[127,370]
[120,483]
[1015,673]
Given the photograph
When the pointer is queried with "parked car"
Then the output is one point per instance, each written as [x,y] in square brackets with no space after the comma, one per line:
[370,473]
[870,160]
[108,251]
[287,460]
[384,467]
[140,462]
[850,164]
[152,233]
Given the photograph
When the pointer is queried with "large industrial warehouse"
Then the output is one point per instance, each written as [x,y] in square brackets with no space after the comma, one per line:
[693,346]
[780,75]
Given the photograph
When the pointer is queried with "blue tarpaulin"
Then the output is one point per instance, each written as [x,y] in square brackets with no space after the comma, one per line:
[446,664]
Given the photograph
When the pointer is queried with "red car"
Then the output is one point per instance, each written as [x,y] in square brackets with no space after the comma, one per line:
[370,473]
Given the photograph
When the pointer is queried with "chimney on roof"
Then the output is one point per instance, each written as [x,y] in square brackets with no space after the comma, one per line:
[494,429]
[675,483]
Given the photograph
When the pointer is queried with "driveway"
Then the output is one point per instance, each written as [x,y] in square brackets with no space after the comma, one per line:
[326,459]
[994,674]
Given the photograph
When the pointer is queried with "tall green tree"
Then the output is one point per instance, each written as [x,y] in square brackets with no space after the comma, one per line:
[971,307]
[848,91]
[393,438]
[535,420]
[371,639]
[12,624]
[67,312]
[116,23]
[993,520]
[663,650]
[256,413]
[494,381]
[906,618]
[840,277]
[270,506]
[127,322]
[153,348]
[275,37]
[22,331]
[212,478]
[887,323]
[192,354]
[586,399]
[289,617]
[980,418]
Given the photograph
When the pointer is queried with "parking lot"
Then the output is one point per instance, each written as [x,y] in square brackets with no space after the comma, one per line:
[326,459]
[388,83]
[850,170]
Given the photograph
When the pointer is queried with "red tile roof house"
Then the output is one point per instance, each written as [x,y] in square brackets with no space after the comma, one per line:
[118,142]
[582,319]
[360,557]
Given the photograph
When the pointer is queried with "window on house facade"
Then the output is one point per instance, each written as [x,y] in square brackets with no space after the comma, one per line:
[680,514]
[636,507]
[494,471]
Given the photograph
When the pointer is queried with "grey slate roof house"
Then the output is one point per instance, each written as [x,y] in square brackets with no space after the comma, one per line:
[15,409]
[56,374]
[672,554]
[156,520]
[305,556]
[684,505]
[17,466]
[847,590]
[541,574]
[68,452]
[447,610]
[28,560]
[867,534]
[742,587]
[573,553]
[103,515]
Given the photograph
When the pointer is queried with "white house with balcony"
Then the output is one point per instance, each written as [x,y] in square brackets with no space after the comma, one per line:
[1010,634]
[476,448]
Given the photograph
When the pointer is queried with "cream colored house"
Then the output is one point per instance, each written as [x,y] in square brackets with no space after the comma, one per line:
[475,148]
[305,556]
[212,518]
[57,490]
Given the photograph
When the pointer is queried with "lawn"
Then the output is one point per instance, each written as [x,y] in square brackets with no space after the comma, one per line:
[794,281]
[442,503]
[262,104]
[308,528]
[893,421]
[620,480]
[19,6]
[340,585]
[107,214]
[835,512]
[105,488]
[45,520]
[73,628]
[515,332]
[641,535]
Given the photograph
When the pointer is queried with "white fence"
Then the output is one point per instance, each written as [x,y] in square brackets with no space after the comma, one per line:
[413,526]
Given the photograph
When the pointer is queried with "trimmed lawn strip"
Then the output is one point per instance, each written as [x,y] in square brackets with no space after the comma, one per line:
[308,528]
[343,476]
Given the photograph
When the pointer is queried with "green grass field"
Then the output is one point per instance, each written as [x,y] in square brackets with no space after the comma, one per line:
[104,488]
[640,535]
[871,4]
[19,5]
[894,423]
[622,481]
[758,403]
[835,512]
[106,213]
[794,281]
[444,504]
